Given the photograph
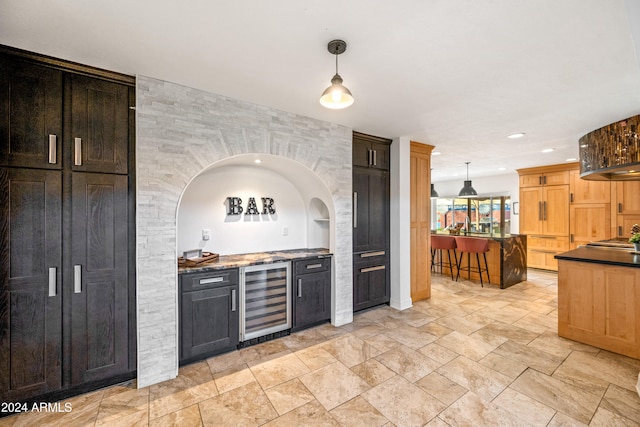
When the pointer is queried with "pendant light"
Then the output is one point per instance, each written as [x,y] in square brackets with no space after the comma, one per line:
[467,190]
[336,96]
[434,193]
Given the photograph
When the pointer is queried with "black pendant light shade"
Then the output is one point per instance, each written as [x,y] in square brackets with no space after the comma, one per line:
[467,190]
[434,193]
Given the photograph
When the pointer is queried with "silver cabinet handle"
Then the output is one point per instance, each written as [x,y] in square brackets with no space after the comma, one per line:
[375,157]
[355,209]
[369,156]
[211,280]
[312,266]
[53,273]
[77,150]
[77,279]
[53,145]
[299,288]
[370,254]
[233,300]
[370,269]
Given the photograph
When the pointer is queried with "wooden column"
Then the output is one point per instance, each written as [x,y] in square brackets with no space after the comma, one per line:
[420,221]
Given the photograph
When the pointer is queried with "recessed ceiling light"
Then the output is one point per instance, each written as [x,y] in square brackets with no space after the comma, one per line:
[548,150]
[571,159]
[258,161]
[516,135]
[436,153]
[502,169]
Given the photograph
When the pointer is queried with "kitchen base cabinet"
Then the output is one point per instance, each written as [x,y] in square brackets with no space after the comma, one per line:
[311,292]
[209,314]
[370,280]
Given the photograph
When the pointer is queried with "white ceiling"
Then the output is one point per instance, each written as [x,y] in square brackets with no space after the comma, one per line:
[460,75]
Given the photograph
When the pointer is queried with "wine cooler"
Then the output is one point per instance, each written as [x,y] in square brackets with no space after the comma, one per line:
[265,306]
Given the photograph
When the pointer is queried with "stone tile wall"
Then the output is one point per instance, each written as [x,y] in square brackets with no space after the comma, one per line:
[180,131]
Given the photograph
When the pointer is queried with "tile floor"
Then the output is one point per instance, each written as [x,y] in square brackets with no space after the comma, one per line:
[469,356]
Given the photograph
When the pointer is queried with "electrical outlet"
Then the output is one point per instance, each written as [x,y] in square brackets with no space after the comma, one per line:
[285,231]
[206,234]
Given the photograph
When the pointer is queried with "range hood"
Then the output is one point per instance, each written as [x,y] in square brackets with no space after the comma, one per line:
[611,152]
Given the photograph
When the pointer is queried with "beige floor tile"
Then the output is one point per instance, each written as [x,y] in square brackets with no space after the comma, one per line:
[524,407]
[358,412]
[231,359]
[604,418]
[315,357]
[470,346]
[403,403]
[165,404]
[622,402]
[382,342]
[562,347]
[370,331]
[496,331]
[373,372]
[563,397]
[510,368]
[234,377]
[288,396]
[436,329]
[562,420]
[409,363]
[442,388]
[311,414]
[130,407]
[532,357]
[585,366]
[411,337]
[351,350]
[483,381]
[472,410]
[243,406]
[303,339]
[275,371]
[438,353]
[187,417]
[538,323]
[334,384]
[507,314]
[461,324]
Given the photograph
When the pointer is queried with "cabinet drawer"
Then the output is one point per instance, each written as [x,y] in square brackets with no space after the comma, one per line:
[214,279]
[312,265]
[551,243]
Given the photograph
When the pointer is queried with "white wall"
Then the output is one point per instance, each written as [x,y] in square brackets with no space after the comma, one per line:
[203,205]
[498,184]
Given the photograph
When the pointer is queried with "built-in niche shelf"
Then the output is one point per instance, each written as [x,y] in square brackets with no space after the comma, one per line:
[318,224]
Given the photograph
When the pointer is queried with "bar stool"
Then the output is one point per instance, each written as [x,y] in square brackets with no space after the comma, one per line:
[473,245]
[440,243]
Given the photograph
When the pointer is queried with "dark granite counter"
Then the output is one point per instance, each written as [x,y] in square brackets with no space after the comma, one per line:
[243,260]
[600,255]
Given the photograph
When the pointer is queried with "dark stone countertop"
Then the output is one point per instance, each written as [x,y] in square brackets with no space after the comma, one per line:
[256,258]
[599,255]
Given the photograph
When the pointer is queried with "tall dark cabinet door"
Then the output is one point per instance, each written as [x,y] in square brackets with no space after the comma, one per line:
[98,275]
[30,115]
[371,205]
[99,136]
[30,282]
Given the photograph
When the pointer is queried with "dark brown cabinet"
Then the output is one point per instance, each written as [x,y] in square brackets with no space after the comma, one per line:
[371,210]
[311,292]
[99,285]
[99,112]
[30,115]
[31,281]
[67,295]
[209,314]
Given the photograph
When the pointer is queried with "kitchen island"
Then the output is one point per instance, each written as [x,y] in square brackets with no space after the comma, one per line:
[598,298]
[506,259]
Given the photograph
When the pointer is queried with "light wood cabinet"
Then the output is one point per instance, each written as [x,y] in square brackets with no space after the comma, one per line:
[597,305]
[584,191]
[544,213]
[420,214]
[589,223]
[625,207]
